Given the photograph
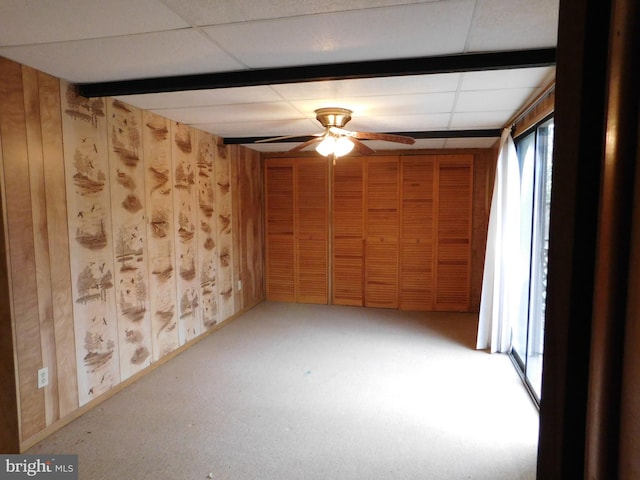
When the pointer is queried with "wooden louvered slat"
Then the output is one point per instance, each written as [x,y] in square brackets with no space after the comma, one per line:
[348,231]
[311,230]
[453,265]
[382,226]
[279,230]
[280,264]
[416,223]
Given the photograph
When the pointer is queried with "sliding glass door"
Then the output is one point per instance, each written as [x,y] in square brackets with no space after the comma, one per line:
[535,152]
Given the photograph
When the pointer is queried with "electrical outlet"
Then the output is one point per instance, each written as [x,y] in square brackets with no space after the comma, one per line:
[239,285]
[43,377]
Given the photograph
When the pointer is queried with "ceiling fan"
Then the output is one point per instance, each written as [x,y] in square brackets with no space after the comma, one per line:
[338,141]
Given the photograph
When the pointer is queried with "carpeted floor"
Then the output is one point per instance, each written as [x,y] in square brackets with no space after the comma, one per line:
[292,391]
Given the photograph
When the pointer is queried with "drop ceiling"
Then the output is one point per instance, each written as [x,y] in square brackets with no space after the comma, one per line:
[96,41]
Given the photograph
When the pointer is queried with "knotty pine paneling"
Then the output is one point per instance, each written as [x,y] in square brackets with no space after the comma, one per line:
[75,173]
[224,206]
[207,251]
[185,199]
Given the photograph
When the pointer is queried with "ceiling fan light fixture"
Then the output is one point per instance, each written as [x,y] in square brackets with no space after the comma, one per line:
[343,146]
[338,146]
[333,117]
[327,146]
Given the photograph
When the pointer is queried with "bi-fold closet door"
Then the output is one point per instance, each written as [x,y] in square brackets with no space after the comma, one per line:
[400,231]
[297,229]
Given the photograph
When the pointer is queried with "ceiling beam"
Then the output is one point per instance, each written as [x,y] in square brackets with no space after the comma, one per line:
[333,71]
[485,133]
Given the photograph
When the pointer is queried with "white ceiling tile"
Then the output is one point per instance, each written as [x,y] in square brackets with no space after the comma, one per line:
[199,98]
[206,12]
[514,78]
[176,52]
[446,82]
[262,128]
[430,103]
[29,22]
[270,147]
[231,113]
[487,100]
[513,25]
[471,142]
[400,123]
[479,120]
[414,30]
[427,143]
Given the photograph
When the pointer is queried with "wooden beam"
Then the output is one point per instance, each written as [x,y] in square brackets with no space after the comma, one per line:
[332,71]
[482,133]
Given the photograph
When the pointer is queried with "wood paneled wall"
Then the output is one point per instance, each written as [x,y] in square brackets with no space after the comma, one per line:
[407,230]
[127,236]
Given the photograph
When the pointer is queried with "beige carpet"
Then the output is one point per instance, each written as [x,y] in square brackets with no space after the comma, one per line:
[317,392]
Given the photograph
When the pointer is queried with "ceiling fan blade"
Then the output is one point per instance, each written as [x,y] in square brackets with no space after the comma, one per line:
[304,145]
[277,139]
[387,137]
[361,147]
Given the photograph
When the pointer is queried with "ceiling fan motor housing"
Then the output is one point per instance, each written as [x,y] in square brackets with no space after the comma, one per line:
[333,117]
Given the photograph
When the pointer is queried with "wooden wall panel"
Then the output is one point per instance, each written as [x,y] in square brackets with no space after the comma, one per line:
[382,231]
[186,233]
[224,207]
[483,175]
[205,147]
[129,236]
[89,220]
[76,176]
[156,140]
[416,232]
[250,214]
[9,420]
[279,192]
[348,232]
[20,234]
[311,230]
[453,243]
[60,270]
[41,238]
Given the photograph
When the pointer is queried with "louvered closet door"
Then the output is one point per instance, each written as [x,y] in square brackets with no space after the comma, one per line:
[348,232]
[311,179]
[381,257]
[454,212]
[416,233]
[280,230]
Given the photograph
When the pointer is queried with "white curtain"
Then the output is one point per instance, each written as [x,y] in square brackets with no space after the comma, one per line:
[500,301]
